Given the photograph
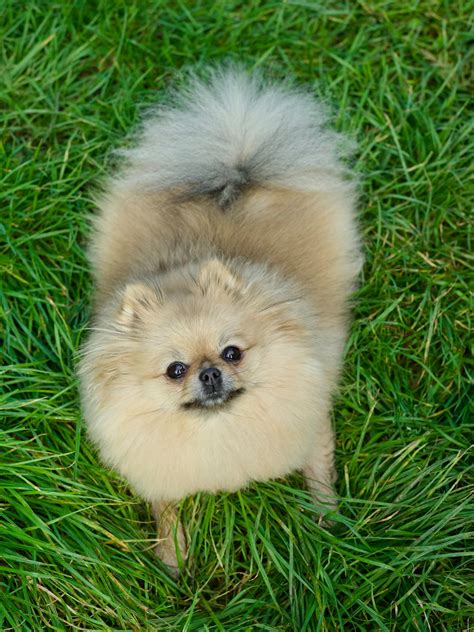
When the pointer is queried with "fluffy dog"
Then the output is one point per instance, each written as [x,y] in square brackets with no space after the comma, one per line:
[225,252]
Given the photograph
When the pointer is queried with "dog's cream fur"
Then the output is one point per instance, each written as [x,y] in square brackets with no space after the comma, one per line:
[232,223]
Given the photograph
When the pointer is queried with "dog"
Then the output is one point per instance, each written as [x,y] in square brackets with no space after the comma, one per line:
[225,252]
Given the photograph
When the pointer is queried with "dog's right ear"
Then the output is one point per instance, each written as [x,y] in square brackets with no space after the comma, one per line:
[138,298]
[214,272]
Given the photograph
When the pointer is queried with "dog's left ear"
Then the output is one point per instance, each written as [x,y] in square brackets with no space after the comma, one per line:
[137,299]
[215,273]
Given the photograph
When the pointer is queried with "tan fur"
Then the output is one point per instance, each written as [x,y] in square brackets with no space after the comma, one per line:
[180,279]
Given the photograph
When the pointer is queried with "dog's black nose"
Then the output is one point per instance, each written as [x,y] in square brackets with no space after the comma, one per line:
[211,378]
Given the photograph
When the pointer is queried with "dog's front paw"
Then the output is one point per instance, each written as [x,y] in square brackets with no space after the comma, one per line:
[172,550]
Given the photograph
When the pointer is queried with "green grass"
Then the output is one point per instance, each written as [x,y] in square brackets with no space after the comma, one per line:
[75,544]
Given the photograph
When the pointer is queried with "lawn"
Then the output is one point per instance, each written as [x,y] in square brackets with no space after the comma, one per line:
[75,543]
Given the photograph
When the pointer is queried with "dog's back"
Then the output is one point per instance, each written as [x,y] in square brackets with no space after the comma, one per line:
[241,168]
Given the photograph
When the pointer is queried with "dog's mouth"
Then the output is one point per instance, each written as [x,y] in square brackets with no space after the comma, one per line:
[214,400]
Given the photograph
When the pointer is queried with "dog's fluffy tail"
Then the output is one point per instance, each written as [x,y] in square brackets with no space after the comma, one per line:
[235,131]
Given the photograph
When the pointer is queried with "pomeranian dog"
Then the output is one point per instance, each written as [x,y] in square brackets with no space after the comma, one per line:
[225,252]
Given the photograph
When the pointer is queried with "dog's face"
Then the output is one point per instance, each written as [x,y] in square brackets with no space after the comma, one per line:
[192,353]
[205,338]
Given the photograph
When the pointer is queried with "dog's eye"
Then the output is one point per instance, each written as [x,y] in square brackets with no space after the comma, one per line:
[176,370]
[231,354]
